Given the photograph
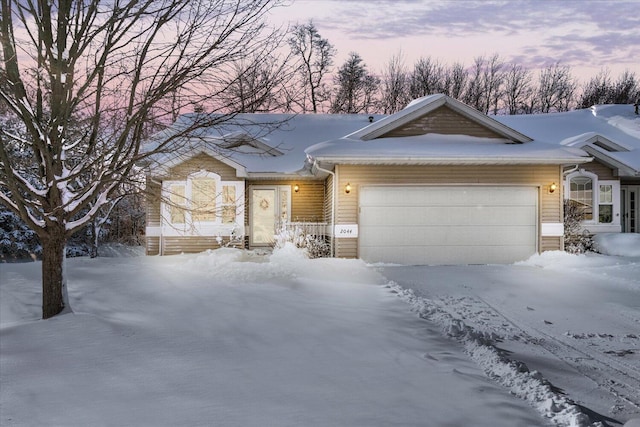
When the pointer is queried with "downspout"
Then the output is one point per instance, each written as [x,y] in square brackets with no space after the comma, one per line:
[333,203]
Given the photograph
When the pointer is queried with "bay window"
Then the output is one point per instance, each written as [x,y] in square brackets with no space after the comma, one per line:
[202,205]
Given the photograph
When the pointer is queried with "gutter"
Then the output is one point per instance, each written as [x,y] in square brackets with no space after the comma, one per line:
[454,161]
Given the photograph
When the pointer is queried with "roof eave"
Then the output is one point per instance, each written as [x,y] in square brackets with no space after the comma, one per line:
[453,160]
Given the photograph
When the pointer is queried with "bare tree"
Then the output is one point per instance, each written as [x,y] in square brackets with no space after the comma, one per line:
[556,89]
[457,84]
[484,88]
[394,92]
[73,67]
[355,87]
[493,79]
[626,90]
[427,78]
[517,88]
[316,55]
[475,95]
[256,84]
[597,90]
[602,90]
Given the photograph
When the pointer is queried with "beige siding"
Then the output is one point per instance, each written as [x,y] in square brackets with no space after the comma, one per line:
[540,176]
[152,200]
[153,215]
[152,245]
[603,171]
[442,120]
[200,162]
[307,205]
[328,199]
[551,244]
[192,244]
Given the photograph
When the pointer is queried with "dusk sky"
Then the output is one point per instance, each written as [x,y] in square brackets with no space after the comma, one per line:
[588,35]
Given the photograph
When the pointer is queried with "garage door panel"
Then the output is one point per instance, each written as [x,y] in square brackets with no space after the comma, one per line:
[442,215]
[446,255]
[451,235]
[447,225]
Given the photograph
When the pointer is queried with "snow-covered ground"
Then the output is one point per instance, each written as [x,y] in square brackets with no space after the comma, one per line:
[232,338]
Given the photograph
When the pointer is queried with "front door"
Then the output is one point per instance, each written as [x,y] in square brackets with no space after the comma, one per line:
[270,208]
[630,208]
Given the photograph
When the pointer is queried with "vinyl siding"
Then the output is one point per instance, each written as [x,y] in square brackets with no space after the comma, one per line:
[192,244]
[442,120]
[153,215]
[600,169]
[540,176]
[200,162]
[307,205]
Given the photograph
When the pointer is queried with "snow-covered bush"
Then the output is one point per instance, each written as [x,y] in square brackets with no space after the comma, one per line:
[577,239]
[17,241]
[303,236]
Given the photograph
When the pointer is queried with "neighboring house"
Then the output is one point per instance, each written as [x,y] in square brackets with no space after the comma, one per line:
[436,183]
[608,188]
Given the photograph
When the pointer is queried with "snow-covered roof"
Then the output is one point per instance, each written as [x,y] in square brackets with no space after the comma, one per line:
[269,145]
[425,105]
[255,144]
[512,147]
[442,149]
[610,133]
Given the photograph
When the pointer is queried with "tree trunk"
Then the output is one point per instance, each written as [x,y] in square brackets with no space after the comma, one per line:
[53,248]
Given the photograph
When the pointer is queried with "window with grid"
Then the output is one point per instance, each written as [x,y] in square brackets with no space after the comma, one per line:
[605,204]
[229,204]
[203,199]
[581,191]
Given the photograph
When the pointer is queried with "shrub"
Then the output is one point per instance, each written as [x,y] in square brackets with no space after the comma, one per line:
[577,239]
[302,236]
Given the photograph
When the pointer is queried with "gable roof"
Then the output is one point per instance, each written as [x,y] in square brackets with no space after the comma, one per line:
[256,145]
[424,106]
[388,141]
[609,133]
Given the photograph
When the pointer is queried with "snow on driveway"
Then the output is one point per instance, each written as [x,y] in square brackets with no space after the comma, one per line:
[229,339]
[560,331]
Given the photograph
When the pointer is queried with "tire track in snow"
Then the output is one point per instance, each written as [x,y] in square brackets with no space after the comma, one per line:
[597,366]
[527,385]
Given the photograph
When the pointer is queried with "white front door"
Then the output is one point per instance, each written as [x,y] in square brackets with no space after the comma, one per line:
[270,207]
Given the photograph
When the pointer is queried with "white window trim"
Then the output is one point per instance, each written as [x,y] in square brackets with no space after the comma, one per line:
[594,225]
[203,228]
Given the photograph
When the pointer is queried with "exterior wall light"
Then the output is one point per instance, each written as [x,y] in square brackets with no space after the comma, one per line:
[296,188]
[552,187]
[347,188]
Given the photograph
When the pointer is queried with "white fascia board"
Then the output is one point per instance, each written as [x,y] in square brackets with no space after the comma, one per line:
[598,153]
[455,161]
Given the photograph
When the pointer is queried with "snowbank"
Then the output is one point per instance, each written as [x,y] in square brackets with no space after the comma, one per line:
[619,244]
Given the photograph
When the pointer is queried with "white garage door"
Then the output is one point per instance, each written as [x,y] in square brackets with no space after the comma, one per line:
[447,225]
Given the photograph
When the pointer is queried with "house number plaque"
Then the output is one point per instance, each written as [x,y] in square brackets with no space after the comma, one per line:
[345,230]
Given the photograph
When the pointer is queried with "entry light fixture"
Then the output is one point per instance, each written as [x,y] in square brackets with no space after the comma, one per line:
[552,187]
[296,188]
[347,188]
